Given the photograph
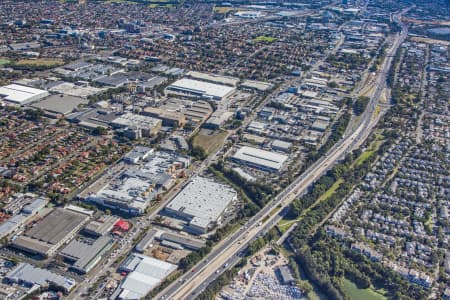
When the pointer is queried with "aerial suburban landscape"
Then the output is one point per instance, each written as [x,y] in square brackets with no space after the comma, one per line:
[224,150]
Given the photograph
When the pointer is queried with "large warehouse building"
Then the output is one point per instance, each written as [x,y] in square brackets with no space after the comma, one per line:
[261,159]
[21,95]
[84,256]
[227,80]
[202,203]
[199,89]
[50,233]
[144,274]
[137,126]
[59,105]
[28,275]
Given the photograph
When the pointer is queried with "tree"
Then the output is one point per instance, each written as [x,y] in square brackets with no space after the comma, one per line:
[360,105]
[99,130]
[332,84]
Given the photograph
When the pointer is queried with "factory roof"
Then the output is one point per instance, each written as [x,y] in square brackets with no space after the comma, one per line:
[85,254]
[257,85]
[25,272]
[257,126]
[146,240]
[285,275]
[134,120]
[201,88]
[60,104]
[55,226]
[214,78]
[77,66]
[20,94]
[186,242]
[34,206]
[137,153]
[49,232]
[263,158]
[320,125]
[281,145]
[113,80]
[134,187]
[71,89]
[203,199]
[11,224]
[102,225]
[145,274]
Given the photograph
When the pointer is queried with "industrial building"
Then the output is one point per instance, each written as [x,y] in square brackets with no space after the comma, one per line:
[114,81]
[137,126]
[59,105]
[218,119]
[261,159]
[76,90]
[101,226]
[133,189]
[146,241]
[199,89]
[184,242]
[144,274]
[12,225]
[24,214]
[17,201]
[281,146]
[256,85]
[28,275]
[21,95]
[130,192]
[50,233]
[227,80]
[93,118]
[137,154]
[284,275]
[181,242]
[201,203]
[249,14]
[84,255]
[169,118]
[198,112]
[320,125]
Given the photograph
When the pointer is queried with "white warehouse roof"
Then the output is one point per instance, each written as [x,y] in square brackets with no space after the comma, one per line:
[196,88]
[145,273]
[20,94]
[260,158]
[214,78]
[203,200]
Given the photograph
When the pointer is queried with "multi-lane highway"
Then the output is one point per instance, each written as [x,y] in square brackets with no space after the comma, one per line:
[227,252]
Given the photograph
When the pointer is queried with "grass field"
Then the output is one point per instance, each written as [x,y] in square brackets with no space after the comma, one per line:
[41,62]
[263,38]
[223,10]
[331,190]
[355,293]
[210,141]
[364,156]
[374,146]
[156,5]
[4,61]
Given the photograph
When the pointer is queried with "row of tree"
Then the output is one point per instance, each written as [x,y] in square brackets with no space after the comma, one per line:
[360,104]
